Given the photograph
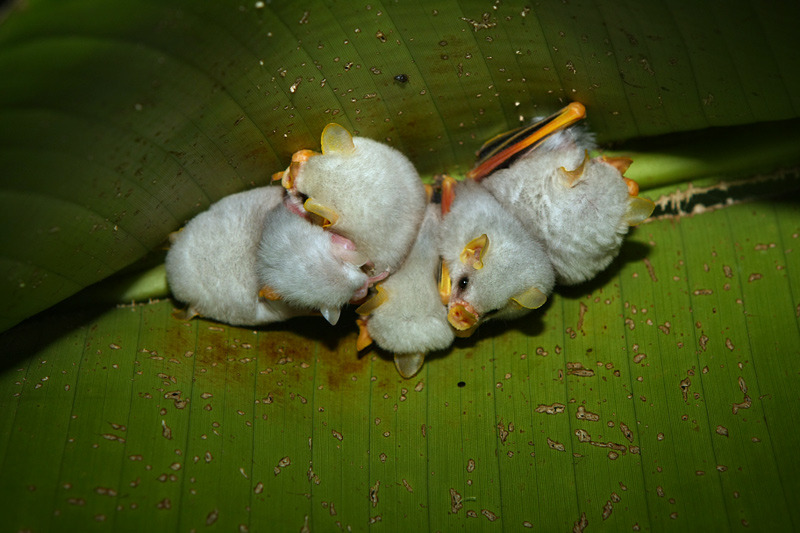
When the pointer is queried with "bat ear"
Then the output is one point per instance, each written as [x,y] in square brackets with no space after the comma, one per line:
[337,140]
[327,214]
[474,252]
[373,303]
[532,298]
[571,177]
[408,364]
[444,283]
[638,210]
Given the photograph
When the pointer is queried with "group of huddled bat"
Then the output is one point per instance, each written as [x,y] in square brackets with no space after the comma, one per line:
[354,224]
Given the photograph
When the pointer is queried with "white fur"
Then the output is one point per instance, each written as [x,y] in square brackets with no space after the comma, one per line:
[305,264]
[377,193]
[211,265]
[413,319]
[581,227]
[513,263]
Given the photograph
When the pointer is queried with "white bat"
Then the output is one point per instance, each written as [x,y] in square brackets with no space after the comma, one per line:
[211,263]
[362,190]
[406,316]
[306,266]
[579,208]
[491,266]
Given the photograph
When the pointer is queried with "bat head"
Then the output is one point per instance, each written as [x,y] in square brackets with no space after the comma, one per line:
[491,267]
[363,190]
[307,266]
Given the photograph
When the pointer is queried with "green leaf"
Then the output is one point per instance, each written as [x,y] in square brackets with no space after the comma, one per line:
[119,121]
[669,382]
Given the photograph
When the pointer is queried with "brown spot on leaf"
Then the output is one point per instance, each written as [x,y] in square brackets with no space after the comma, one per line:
[745,404]
[685,384]
[373,493]
[580,524]
[552,409]
[650,270]
[581,314]
[583,414]
[456,502]
[626,431]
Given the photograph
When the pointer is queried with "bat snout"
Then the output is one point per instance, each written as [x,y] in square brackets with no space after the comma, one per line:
[463,318]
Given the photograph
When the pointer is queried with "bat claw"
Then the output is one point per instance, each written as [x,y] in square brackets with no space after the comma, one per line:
[633,187]
[620,163]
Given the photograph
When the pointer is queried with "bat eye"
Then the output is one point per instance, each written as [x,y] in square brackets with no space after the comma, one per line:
[463,282]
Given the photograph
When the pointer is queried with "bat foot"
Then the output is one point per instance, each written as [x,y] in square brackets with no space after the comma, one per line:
[364,338]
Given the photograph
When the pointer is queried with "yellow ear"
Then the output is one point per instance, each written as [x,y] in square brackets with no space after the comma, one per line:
[444,283]
[337,140]
[532,298]
[328,215]
[474,251]
[378,299]
[571,177]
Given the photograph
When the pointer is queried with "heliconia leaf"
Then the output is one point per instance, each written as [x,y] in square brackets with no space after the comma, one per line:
[119,121]
[659,396]
[654,397]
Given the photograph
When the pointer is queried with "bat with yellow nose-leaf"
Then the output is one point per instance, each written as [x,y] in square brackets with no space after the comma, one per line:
[405,316]
[491,266]
[367,196]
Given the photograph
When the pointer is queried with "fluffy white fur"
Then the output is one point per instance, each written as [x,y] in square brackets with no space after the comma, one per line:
[377,194]
[514,261]
[211,264]
[308,266]
[412,321]
[582,223]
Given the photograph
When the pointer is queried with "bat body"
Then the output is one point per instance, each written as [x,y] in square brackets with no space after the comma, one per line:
[307,266]
[496,269]
[579,208]
[362,190]
[211,263]
[410,320]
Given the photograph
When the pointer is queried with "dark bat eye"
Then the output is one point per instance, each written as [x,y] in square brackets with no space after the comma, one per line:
[463,282]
